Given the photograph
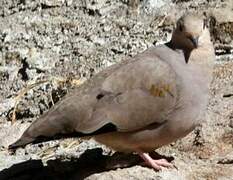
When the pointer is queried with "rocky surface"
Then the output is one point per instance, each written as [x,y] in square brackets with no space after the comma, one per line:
[48,47]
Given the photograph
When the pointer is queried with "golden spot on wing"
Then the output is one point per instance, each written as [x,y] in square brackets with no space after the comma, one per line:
[156,91]
[167,88]
[160,91]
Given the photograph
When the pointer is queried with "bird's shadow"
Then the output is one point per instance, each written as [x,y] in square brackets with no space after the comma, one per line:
[90,162]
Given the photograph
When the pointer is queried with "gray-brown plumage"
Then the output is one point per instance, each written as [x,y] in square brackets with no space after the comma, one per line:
[152,99]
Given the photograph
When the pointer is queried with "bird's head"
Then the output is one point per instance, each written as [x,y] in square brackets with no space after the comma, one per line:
[189,29]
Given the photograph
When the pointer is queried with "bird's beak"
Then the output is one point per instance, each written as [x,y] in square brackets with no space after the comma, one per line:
[194,41]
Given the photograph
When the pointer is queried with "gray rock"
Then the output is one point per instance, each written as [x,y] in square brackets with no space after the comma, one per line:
[6,105]
[158,7]
[53,3]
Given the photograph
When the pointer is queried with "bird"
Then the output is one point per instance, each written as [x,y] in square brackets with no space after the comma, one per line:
[141,103]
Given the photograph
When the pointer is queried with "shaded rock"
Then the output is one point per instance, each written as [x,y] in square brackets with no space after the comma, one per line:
[223,23]
[228,159]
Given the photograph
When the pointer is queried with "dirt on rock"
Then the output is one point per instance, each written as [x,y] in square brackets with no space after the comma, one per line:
[48,47]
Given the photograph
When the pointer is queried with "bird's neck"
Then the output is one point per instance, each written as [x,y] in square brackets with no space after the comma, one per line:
[186,51]
[179,43]
[202,57]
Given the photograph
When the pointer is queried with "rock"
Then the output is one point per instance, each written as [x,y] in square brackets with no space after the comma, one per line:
[223,23]
[6,105]
[138,172]
[228,159]
[11,71]
[158,7]
[53,3]
[231,120]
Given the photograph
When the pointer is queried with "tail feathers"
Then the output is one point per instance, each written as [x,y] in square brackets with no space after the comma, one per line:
[26,138]
[23,141]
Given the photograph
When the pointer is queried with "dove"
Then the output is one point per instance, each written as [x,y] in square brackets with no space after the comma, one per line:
[142,103]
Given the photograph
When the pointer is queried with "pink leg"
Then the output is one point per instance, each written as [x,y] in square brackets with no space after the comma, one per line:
[156,164]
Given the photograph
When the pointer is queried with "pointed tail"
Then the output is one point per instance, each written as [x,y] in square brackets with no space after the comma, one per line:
[44,129]
[23,141]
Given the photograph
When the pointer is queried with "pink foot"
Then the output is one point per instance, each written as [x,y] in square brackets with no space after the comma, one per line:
[156,164]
